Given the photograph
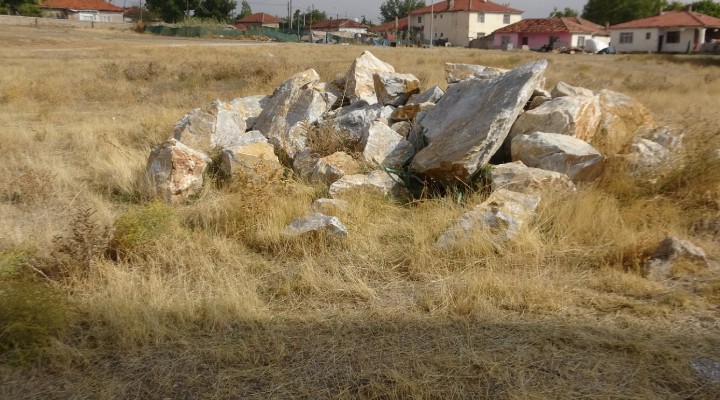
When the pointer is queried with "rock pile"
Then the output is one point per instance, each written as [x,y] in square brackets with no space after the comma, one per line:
[550,140]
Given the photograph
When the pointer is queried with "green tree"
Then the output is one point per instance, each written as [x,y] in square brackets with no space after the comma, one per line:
[219,10]
[708,7]
[174,10]
[391,9]
[619,11]
[675,6]
[567,12]
[245,10]
[28,8]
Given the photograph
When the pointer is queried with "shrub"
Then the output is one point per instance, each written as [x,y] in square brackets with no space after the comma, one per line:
[75,254]
[139,227]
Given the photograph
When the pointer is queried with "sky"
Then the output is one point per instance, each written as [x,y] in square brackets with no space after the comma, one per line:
[371,8]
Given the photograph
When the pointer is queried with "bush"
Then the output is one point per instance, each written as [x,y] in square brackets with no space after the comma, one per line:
[75,254]
[140,227]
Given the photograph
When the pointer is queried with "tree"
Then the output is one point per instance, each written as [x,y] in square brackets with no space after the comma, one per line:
[391,9]
[28,8]
[245,10]
[708,7]
[619,11]
[174,10]
[567,12]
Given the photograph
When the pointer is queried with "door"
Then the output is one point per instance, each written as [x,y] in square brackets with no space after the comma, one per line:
[660,42]
[525,41]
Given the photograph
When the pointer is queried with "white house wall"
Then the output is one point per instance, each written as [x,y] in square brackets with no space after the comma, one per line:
[493,22]
[642,44]
[459,27]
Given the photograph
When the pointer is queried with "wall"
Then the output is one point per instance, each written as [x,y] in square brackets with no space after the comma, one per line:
[641,44]
[46,22]
[459,27]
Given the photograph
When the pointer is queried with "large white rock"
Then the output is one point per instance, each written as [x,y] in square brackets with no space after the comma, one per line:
[517,177]
[359,83]
[563,89]
[333,167]
[652,148]
[249,108]
[431,95]
[559,153]
[460,72]
[317,223]
[356,118]
[503,214]
[176,171]
[470,122]
[577,116]
[293,105]
[220,125]
[386,147]
[377,181]
[195,129]
[622,118]
[254,159]
[392,88]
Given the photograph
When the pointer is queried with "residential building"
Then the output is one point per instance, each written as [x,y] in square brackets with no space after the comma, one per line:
[548,33]
[459,21]
[260,19]
[389,30]
[340,25]
[669,32]
[82,10]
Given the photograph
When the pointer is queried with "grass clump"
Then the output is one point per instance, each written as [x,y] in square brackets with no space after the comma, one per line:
[139,227]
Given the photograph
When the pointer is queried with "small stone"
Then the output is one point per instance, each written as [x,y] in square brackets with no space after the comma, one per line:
[317,223]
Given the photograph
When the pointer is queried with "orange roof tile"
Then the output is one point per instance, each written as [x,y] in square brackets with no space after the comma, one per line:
[468,5]
[672,19]
[551,25]
[390,26]
[259,18]
[97,5]
[337,23]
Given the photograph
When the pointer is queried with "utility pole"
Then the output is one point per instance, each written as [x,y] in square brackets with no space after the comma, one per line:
[432,18]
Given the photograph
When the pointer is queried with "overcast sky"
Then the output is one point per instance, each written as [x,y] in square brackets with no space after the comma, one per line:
[371,8]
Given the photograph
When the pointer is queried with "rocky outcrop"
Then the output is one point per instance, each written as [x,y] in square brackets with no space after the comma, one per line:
[560,153]
[333,167]
[176,171]
[392,88]
[356,118]
[293,105]
[249,108]
[517,177]
[257,160]
[316,223]
[385,147]
[455,73]
[622,117]
[576,116]
[469,124]
[360,81]
[502,216]
[377,181]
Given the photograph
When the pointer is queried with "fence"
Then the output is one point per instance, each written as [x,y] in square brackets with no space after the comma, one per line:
[64,23]
[205,31]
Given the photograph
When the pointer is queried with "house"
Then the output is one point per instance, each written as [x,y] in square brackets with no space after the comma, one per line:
[340,25]
[260,19]
[389,30]
[82,10]
[548,33]
[670,32]
[459,21]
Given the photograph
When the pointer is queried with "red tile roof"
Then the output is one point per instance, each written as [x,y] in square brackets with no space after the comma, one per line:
[97,5]
[337,23]
[552,25]
[672,19]
[259,18]
[390,26]
[468,5]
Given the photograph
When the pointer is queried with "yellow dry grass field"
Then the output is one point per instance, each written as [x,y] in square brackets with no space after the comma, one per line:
[208,300]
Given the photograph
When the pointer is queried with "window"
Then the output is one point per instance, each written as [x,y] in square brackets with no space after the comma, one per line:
[441,16]
[419,20]
[481,18]
[435,16]
[626,37]
[672,37]
[648,35]
[480,35]
[506,19]
[581,41]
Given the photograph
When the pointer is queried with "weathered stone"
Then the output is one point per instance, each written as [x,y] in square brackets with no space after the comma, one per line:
[471,121]
[671,249]
[431,95]
[330,206]
[293,105]
[249,108]
[379,181]
[541,92]
[333,167]
[503,214]
[455,73]
[562,89]
[645,155]
[304,163]
[622,117]
[356,118]
[402,128]
[195,129]
[517,177]
[537,101]
[255,159]
[317,223]
[386,147]
[559,153]
[392,88]
[176,171]
[250,137]
[360,84]
[332,96]
[575,116]
[410,111]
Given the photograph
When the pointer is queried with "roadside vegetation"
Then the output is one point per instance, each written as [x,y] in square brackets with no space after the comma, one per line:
[108,293]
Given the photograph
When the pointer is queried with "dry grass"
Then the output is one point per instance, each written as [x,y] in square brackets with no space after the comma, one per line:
[209,300]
